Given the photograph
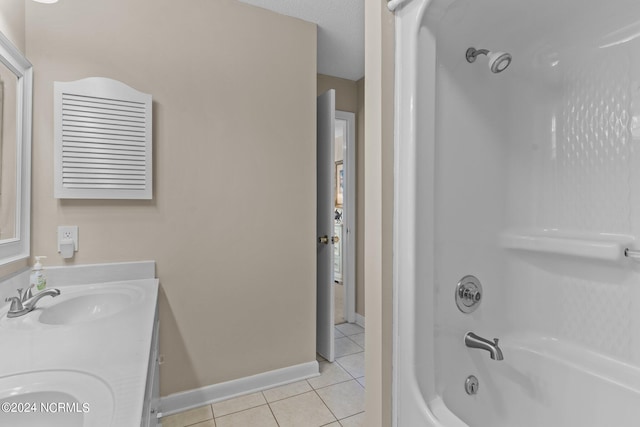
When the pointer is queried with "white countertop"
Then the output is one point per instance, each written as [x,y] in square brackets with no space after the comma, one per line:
[115,349]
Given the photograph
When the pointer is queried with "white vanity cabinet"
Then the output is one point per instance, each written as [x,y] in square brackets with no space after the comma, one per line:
[151,407]
[109,360]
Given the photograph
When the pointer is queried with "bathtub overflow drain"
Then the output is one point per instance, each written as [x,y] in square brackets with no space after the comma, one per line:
[471,385]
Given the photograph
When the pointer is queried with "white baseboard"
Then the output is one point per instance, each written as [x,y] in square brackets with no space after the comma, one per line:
[179,402]
[360,320]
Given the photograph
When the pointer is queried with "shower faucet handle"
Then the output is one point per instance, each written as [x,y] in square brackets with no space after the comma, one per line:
[471,295]
[468,294]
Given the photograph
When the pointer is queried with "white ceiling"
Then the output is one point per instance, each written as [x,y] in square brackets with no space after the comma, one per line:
[340,31]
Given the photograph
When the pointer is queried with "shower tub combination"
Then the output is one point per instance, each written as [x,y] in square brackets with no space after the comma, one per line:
[527,176]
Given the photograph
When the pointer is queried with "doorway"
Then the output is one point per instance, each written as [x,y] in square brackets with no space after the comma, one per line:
[344,219]
[335,199]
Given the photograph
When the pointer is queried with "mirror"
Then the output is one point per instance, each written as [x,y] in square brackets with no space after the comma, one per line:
[16,79]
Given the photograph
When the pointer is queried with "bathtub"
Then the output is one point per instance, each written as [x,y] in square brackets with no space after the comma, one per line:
[528,179]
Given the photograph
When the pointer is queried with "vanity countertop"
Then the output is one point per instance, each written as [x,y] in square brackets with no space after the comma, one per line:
[114,348]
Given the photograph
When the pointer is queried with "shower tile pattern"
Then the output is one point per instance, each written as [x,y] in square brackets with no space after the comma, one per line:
[592,183]
[334,399]
[587,180]
[597,315]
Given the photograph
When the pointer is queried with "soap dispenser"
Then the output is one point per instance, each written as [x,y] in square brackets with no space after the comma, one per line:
[37,278]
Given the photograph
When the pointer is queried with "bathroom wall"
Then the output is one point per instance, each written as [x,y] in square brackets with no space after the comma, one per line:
[350,97]
[232,221]
[346,91]
[378,263]
[12,21]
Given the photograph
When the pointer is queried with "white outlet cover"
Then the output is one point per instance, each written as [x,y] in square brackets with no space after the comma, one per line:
[68,231]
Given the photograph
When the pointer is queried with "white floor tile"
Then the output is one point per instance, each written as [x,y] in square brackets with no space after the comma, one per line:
[350,329]
[344,399]
[354,421]
[330,373]
[208,423]
[337,333]
[305,410]
[285,391]
[344,346]
[353,364]
[358,339]
[254,417]
[237,404]
[186,418]
[362,381]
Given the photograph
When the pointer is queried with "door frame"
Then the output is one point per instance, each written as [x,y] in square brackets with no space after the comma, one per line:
[349,215]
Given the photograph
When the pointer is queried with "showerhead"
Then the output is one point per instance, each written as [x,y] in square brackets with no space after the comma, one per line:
[498,61]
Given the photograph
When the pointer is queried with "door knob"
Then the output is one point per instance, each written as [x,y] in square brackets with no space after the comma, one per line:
[323,240]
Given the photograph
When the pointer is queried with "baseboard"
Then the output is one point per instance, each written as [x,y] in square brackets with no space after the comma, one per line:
[179,402]
[360,320]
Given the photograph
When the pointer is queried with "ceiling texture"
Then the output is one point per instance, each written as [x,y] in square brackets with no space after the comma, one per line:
[340,31]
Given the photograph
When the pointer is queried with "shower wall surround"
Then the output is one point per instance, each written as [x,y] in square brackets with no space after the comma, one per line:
[530,180]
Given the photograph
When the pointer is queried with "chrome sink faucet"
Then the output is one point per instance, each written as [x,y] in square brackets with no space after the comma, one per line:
[474,341]
[24,303]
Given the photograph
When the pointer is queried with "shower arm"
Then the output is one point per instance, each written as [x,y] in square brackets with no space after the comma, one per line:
[473,53]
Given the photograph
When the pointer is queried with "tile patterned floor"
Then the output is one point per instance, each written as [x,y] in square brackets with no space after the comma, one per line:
[334,399]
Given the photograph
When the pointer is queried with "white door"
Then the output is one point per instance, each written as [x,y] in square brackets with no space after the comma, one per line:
[325,211]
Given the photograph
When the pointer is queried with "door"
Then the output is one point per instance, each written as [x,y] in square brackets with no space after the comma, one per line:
[325,208]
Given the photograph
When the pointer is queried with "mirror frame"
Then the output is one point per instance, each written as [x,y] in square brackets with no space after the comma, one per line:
[18,247]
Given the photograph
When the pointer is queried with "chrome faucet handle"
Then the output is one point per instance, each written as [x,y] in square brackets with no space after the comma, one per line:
[20,293]
[16,304]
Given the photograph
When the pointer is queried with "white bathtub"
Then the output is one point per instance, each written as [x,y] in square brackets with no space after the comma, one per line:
[530,180]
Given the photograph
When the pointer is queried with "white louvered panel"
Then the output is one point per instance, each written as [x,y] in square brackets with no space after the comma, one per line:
[103,140]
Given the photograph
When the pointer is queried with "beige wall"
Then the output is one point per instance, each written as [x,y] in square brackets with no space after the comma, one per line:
[232,221]
[12,21]
[350,97]
[346,91]
[379,69]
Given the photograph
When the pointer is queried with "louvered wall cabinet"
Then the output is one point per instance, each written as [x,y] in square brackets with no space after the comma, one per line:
[103,140]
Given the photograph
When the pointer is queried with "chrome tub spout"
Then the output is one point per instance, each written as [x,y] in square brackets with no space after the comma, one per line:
[474,341]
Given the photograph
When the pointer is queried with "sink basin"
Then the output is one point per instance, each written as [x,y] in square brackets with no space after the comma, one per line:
[58,398]
[85,308]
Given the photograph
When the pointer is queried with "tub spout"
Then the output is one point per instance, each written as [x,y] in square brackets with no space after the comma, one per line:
[474,341]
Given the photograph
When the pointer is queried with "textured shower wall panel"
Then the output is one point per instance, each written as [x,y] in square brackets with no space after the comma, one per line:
[587,162]
[592,185]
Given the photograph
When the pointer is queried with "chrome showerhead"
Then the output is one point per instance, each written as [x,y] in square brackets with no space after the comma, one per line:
[498,61]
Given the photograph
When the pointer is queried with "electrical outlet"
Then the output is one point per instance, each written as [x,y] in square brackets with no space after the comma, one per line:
[68,232]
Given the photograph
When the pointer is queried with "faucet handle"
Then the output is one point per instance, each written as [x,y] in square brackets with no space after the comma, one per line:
[16,304]
[28,294]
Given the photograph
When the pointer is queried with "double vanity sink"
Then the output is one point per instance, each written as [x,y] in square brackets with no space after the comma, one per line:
[84,358]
